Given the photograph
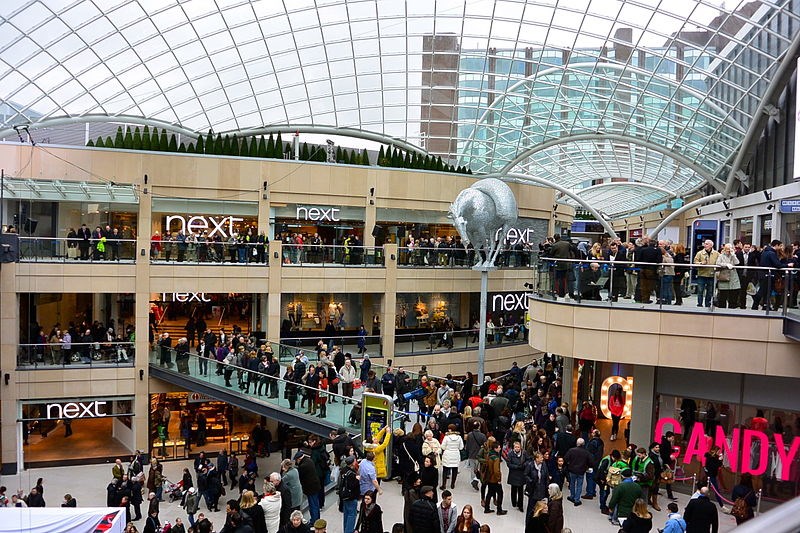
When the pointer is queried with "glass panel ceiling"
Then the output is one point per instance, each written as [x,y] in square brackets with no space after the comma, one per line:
[59,191]
[576,91]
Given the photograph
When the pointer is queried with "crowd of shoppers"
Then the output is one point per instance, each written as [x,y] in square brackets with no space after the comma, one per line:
[246,246]
[648,270]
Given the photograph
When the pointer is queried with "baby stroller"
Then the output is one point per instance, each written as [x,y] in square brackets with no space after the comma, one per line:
[213,255]
[175,490]
[355,415]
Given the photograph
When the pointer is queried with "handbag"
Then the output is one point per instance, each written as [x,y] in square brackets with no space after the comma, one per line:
[667,476]
[335,381]
[464,454]
[724,275]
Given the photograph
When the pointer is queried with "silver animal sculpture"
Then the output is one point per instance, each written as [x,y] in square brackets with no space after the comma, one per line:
[479,213]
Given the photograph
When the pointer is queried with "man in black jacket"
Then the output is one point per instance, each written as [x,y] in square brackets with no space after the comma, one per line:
[648,275]
[423,515]
[348,493]
[579,461]
[561,250]
[85,236]
[596,447]
[701,514]
[309,480]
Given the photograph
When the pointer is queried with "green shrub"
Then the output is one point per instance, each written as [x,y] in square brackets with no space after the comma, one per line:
[146,138]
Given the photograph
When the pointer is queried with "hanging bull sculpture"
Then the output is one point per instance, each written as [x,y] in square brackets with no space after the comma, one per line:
[479,213]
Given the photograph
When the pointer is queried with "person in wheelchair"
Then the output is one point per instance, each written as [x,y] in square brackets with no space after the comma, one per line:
[590,286]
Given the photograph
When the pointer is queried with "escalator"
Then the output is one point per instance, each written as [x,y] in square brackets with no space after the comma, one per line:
[212,384]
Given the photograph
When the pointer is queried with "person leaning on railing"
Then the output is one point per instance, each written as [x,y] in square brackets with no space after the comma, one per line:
[727,280]
[705,276]
[770,258]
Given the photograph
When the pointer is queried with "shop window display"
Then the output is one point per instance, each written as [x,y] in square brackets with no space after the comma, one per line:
[183,422]
[96,429]
[749,437]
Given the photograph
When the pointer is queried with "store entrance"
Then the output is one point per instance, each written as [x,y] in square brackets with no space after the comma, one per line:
[187,314]
[182,423]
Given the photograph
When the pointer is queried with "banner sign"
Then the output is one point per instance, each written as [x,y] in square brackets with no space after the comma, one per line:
[790,206]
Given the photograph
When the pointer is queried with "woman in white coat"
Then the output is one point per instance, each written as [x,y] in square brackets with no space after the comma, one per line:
[432,447]
[452,444]
[271,503]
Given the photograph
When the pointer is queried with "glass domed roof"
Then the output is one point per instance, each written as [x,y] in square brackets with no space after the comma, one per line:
[655,97]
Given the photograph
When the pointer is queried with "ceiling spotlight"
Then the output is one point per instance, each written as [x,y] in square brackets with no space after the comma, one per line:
[770,207]
[726,204]
[641,218]
[728,214]
[660,214]
[768,195]
[625,220]
[697,209]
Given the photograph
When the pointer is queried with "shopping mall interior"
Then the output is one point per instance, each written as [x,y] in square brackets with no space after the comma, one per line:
[208,207]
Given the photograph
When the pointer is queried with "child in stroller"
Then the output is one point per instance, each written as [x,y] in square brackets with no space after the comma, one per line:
[175,490]
[355,414]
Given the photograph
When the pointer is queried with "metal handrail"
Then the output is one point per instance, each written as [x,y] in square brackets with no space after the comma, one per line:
[313,356]
[261,374]
[546,265]
[626,264]
[73,344]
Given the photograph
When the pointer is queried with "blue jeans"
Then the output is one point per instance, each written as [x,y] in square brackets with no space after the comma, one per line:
[704,286]
[575,486]
[591,486]
[605,492]
[313,506]
[666,289]
[349,509]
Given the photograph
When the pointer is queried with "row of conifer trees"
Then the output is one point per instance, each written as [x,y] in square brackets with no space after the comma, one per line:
[271,147]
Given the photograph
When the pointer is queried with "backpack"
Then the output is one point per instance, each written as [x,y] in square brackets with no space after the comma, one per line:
[602,470]
[740,509]
[614,476]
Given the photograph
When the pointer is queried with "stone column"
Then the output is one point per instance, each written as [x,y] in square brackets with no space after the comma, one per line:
[389,304]
[273,326]
[566,381]
[370,209]
[642,407]
[141,316]
[9,392]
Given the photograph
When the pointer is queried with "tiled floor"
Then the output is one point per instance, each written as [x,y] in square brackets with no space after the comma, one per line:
[90,438]
[87,484]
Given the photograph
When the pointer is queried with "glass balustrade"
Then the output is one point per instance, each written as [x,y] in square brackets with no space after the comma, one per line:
[47,356]
[668,286]
[49,249]
[283,391]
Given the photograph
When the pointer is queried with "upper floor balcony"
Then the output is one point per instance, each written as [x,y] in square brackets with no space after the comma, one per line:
[700,316]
